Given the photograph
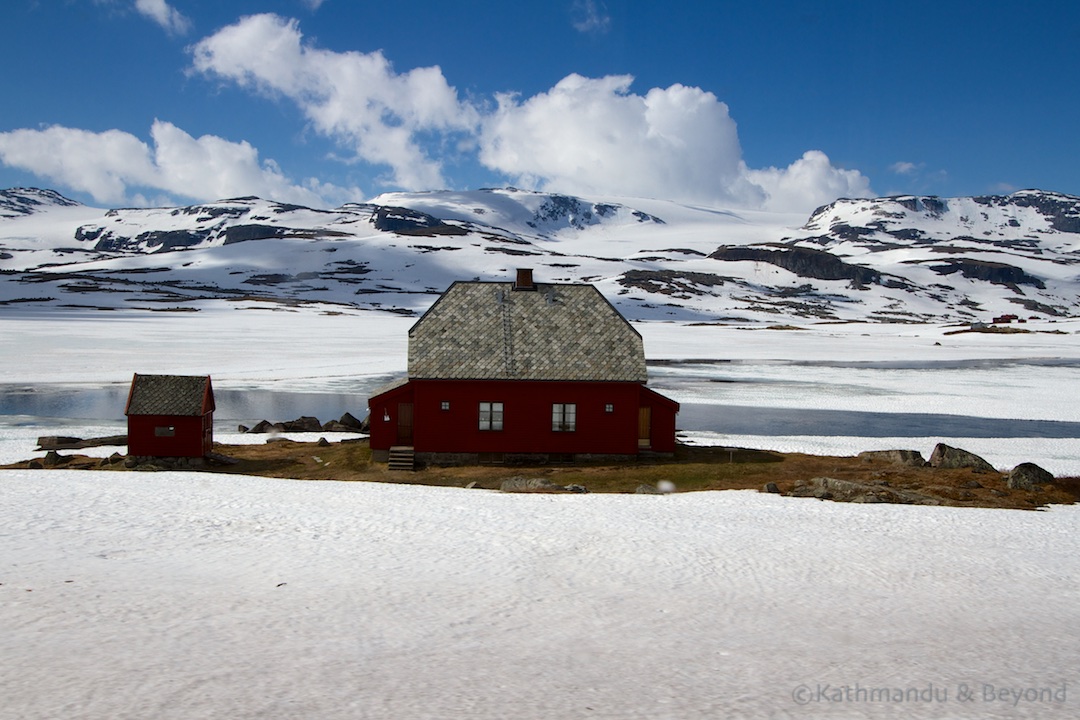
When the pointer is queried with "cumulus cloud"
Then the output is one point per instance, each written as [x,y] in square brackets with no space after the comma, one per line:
[590,16]
[809,182]
[355,98]
[585,135]
[168,17]
[115,166]
[595,136]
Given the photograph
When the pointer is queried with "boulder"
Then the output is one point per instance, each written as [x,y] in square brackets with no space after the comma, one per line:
[1026,476]
[351,422]
[945,457]
[521,484]
[242,428]
[577,489]
[34,465]
[770,487]
[305,423]
[336,426]
[908,458]
[53,458]
[263,426]
[323,442]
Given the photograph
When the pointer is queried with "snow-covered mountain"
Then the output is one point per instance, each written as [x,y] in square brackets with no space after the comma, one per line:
[889,259]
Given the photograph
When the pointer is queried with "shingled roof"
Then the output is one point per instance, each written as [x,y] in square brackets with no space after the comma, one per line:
[490,331]
[184,395]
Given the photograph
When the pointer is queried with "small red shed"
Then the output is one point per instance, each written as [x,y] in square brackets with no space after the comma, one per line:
[170,416]
[506,371]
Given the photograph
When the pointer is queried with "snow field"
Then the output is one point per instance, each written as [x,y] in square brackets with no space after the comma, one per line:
[180,595]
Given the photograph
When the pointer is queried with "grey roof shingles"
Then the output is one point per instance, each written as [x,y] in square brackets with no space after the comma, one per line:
[489,331]
[170,395]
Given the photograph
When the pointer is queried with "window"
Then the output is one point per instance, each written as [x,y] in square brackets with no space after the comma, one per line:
[445,405]
[563,417]
[165,431]
[609,408]
[491,416]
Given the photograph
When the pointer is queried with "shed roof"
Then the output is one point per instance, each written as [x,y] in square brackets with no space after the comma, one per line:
[490,331]
[185,395]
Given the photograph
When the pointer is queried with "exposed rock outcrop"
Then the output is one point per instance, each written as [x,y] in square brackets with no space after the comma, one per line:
[804,262]
[826,488]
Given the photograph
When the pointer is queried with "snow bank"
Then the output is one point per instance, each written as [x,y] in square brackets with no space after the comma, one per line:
[180,595]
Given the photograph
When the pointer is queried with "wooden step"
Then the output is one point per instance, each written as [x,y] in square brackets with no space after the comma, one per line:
[401,458]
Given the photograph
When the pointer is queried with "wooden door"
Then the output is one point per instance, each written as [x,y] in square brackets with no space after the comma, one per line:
[644,427]
[405,424]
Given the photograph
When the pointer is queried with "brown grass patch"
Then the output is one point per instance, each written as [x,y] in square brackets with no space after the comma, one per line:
[692,468]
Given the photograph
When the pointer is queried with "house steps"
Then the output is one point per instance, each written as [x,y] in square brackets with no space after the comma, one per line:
[401,458]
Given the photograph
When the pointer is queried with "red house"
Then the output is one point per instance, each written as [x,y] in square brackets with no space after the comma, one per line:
[170,416]
[522,371]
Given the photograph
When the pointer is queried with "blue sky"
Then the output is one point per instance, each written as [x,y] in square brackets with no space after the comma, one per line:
[774,105]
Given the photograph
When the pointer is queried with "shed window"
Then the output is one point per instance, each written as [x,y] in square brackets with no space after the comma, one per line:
[609,407]
[165,431]
[491,416]
[445,405]
[563,417]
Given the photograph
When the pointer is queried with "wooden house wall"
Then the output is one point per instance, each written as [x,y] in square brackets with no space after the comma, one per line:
[192,435]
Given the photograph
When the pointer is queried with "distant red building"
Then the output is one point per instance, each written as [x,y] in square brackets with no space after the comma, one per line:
[522,371]
[170,416]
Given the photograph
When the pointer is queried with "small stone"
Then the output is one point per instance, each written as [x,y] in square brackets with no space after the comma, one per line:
[771,487]
[323,442]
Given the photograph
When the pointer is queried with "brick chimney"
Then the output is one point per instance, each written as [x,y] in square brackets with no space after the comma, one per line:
[524,280]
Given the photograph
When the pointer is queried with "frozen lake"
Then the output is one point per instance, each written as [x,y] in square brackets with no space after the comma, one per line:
[831,390]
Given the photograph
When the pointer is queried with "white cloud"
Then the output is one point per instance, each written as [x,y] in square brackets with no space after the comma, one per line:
[355,98]
[809,182]
[594,136]
[164,15]
[905,168]
[590,16]
[115,166]
[585,135]
[313,5]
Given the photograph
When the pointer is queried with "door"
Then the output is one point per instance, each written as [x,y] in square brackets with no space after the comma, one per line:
[644,428]
[405,424]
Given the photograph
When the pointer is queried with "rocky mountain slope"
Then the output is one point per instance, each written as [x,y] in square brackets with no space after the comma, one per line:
[898,259]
